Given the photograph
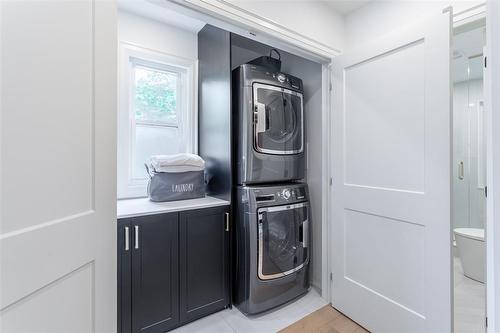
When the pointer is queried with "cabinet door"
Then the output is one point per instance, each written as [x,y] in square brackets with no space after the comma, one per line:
[204,259]
[155,275]
[124,292]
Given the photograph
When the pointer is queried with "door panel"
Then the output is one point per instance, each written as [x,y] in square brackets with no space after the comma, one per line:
[391,181]
[155,277]
[58,216]
[388,137]
[204,260]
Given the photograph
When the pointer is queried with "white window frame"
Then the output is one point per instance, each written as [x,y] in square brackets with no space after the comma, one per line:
[131,55]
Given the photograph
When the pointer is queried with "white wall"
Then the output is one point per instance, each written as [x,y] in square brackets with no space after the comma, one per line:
[380,17]
[146,37]
[157,36]
[313,19]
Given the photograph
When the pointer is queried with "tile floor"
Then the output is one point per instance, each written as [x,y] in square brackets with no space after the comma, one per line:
[470,302]
[469,312]
[232,320]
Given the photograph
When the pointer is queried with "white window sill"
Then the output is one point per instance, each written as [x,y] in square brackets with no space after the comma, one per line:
[143,206]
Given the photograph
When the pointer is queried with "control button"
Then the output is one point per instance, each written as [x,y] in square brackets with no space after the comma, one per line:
[286,194]
[281,77]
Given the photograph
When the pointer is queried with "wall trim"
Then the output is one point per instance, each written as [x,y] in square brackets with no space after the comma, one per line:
[239,17]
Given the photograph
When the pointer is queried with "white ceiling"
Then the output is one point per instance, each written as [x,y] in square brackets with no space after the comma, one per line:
[159,11]
[345,7]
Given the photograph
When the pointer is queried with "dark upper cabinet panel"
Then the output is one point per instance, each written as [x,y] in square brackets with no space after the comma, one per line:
[155,276]
[214,108]
[204,262]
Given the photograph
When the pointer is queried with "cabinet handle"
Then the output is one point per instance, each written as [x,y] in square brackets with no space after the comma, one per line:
[226,221]
[127,239]
[136,245]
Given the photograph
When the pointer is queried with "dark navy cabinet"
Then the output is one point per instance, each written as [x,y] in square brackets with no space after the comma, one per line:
[172,268]
[204,258]
[155,281]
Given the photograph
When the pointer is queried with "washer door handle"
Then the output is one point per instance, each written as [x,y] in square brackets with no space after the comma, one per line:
[305,234]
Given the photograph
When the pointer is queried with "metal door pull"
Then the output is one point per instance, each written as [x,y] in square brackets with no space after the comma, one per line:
[305,233]
[136,228]
[127,239]
[226,221]
[260,111]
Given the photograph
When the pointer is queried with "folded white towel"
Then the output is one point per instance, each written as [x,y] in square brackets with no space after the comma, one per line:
[178,168]
[177,163]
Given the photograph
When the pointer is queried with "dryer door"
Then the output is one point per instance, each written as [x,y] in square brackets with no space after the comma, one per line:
[283,240]
[278,120]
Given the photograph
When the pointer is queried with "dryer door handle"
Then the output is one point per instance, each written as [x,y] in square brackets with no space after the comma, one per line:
[260,117]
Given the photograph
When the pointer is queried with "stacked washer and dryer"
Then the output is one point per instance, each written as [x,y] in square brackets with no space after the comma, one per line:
[272,215]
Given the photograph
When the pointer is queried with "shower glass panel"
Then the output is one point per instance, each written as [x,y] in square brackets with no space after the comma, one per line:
[469,160]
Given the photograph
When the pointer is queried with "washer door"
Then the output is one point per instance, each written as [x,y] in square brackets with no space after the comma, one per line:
[278,120]
[283,240]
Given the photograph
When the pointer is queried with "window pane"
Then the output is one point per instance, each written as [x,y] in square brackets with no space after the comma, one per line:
[155,95]
[153,140]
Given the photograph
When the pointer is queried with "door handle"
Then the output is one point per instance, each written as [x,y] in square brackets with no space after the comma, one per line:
[305,233]
[127,239]
[226,221]
[136,245]
[461,170]
[260,120]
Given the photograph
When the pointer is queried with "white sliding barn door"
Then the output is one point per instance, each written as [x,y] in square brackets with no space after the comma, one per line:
[391,181]
[58,188]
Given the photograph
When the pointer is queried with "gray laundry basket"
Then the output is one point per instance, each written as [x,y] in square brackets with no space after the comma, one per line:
[171,186]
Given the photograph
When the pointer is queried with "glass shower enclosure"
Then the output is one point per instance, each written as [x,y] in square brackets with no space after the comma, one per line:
[469,146]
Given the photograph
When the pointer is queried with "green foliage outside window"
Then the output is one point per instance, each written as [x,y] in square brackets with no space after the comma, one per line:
[155,96]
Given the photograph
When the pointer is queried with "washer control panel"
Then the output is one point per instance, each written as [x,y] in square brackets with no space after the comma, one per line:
[285,194]
[291,194]
[280,195]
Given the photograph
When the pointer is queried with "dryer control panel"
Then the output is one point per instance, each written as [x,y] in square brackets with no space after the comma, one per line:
[261,74]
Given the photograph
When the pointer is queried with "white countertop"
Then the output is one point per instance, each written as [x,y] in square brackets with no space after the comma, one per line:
[143,206]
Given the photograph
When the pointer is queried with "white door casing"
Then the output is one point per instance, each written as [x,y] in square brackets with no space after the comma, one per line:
[391,147]
[492,114]
[58,166]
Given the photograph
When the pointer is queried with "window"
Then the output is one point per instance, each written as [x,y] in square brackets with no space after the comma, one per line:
[156,113]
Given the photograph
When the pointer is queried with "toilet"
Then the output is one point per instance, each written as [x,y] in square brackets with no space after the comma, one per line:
[472,252]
